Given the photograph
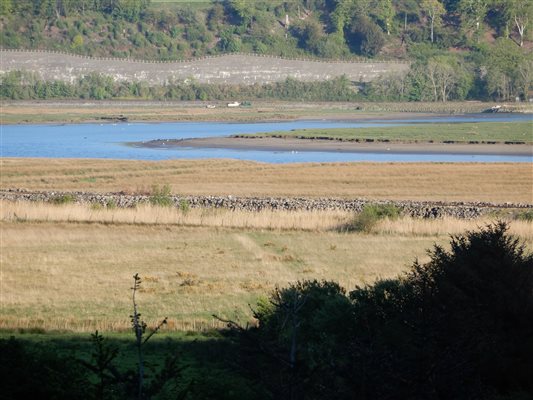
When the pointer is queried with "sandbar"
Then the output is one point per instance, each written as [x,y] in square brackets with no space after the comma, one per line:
[337,146]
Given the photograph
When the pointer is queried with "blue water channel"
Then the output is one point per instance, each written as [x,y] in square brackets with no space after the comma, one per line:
[110,141]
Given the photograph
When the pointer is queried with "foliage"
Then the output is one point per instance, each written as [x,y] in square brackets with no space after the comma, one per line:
[525,215]
[6,7]
[111,382]
[367,219]
[111,204]
[184,206]
[520,16]
[161,196]
[457,327]
[433,10]
[18,85]
[365,37]
[171,33]
[39,373]
[63,199]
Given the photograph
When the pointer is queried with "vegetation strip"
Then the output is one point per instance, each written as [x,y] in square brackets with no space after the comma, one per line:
[471,133]
[61,111]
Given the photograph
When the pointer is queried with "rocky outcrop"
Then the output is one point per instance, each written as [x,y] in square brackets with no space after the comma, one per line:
[420,209]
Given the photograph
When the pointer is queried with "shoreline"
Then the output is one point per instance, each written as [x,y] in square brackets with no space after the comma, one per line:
[147,111]
[337,146]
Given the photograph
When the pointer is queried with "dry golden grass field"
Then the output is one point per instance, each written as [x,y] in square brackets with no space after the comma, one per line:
[493,182]
[69,267]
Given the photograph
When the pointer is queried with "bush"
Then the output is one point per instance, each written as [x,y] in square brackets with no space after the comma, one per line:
[96,206]
[367,219]
[39,373]
[111,204]
[184,206]
[365,37]
[525,215]
[457,327]
[64,199]
[161,196]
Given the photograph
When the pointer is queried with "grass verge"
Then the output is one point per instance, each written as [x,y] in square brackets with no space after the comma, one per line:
[479,132]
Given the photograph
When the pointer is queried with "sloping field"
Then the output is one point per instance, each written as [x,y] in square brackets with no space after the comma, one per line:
[225,69]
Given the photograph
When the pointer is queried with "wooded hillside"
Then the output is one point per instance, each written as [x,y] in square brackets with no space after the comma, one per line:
[460,49]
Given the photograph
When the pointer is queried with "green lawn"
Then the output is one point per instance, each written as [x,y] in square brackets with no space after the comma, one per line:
[499,132]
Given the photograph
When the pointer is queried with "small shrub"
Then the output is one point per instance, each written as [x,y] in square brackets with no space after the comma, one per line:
[184,206]
[525,216]
[161,196]
[64,199]
[96,206]
[111,204]
[367,219]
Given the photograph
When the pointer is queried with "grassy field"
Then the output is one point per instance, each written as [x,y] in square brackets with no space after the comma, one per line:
[70,267]
[395,181]
[167,111]
[79,111]
[498,132]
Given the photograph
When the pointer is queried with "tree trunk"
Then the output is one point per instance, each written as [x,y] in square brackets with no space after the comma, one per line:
[521,28]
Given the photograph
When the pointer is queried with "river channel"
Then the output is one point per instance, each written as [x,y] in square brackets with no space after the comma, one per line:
[110,141]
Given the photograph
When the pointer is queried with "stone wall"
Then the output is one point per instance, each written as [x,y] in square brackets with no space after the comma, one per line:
[412,208]
[224,69]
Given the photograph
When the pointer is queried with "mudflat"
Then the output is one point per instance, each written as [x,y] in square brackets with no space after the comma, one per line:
[290,144]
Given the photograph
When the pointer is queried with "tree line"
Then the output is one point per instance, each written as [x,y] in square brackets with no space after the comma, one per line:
[498,72]
[506,74]
[326,28]
[130,10]
[20,85]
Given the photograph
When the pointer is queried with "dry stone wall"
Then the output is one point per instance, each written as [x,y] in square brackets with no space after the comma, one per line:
[224,69]
[419,209]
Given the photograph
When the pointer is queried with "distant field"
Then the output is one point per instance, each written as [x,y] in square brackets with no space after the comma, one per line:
[82,111]
[454,132]
[494,182]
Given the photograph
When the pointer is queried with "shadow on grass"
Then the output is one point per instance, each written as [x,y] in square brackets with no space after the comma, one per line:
[65,366]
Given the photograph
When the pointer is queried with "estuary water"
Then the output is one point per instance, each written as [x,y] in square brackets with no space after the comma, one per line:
[110,140]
